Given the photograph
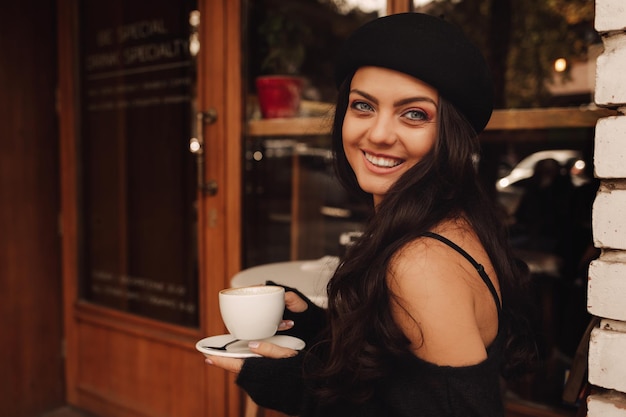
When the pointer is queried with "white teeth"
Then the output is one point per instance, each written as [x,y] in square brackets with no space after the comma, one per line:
[382,162]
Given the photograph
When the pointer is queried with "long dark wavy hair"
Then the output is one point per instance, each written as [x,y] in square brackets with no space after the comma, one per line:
[363,339]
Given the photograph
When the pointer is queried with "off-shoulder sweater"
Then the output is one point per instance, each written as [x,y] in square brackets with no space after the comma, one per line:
[415,388]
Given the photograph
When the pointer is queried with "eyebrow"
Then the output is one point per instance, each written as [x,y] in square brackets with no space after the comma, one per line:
[396,103]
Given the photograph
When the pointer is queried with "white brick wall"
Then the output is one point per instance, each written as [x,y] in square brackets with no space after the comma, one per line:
[609,405]
[610,155]
[607,366]
[606,295]
[610,71]
[609,216]
[607,275]
[610,15]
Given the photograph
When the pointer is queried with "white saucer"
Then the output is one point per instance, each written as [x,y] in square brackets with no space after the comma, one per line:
[240,349]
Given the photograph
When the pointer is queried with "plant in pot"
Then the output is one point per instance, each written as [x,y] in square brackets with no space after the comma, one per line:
[279,90]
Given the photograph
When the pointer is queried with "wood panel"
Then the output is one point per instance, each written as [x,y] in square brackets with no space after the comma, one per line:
[124,374]
[68,127]
[233,113]
[30,279]
[120,365]
[219,88]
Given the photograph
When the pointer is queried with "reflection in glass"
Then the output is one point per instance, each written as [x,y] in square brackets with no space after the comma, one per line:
[291,199]
[294,208]
[194,37]
[522,40]
[137,189]
[367,6]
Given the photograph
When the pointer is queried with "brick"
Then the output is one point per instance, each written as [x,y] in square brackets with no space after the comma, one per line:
[609,219]
[610,147]
[606,405]
[610,15]
[606,290]
[610,72]
[607,363]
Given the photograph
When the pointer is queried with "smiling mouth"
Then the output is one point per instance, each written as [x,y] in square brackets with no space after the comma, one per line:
[382,162]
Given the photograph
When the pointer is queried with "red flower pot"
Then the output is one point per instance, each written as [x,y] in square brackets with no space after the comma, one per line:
[279,95]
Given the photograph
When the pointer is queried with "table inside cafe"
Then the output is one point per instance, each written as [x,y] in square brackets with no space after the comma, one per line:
[310,277]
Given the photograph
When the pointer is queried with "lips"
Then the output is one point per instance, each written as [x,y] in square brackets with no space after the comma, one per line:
[382,162]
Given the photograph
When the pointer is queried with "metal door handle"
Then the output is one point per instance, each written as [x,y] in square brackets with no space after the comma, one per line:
[196,147]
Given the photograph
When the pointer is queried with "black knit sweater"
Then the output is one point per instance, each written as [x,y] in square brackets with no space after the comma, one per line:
[416,388]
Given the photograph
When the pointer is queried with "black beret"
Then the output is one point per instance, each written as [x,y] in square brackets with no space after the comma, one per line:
[429,49]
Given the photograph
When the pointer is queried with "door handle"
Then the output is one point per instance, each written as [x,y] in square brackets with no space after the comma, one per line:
[196,147]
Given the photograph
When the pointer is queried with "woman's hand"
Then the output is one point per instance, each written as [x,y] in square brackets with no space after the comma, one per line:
[294,304]
[265,349]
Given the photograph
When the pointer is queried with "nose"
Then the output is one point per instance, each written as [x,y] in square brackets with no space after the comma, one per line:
[382,131]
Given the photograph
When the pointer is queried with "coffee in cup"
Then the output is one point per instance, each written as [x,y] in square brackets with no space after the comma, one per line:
[252,313]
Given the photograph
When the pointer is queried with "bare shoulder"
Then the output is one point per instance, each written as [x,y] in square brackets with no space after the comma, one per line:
[427,275]
[439,300]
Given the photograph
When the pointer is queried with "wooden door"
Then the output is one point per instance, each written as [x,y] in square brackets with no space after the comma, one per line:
[30,275]
[145,249]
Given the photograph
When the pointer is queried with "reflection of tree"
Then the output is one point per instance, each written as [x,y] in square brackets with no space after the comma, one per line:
[323,19]
[522,40]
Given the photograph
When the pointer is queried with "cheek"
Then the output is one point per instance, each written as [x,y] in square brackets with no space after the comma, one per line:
[350,139]
[348,132]
[419,148]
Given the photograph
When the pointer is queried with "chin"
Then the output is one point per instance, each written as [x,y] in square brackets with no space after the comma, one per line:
[374,190]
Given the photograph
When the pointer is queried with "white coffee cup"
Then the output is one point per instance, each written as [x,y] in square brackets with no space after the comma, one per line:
[252,313]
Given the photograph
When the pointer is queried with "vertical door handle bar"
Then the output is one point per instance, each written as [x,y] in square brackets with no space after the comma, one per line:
[196,147]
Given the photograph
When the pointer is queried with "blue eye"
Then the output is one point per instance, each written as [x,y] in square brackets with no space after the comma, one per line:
[416,115]
[361,106]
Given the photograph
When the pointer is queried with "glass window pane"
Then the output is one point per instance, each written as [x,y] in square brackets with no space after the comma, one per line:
[542,53]
[137,179]
[293,206]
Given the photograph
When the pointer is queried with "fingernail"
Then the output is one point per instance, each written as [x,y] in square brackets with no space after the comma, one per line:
[284,324]
[208,361]
[253,345]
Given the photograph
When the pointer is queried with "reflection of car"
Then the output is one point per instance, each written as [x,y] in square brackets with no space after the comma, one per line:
[510,187]
[526,167]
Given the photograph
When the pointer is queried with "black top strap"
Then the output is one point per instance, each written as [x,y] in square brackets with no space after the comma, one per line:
[479,267]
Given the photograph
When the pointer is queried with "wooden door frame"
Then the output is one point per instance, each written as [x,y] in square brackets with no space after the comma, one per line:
[220,63]
[219,230]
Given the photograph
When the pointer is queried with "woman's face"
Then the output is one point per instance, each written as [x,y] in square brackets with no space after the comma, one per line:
[390,124]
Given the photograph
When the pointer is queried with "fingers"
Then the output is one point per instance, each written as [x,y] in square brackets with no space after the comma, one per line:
[230,364]
[266,349]
[270,350]
[285,325]
[295,303]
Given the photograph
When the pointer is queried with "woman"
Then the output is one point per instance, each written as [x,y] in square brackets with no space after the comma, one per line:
[418,315]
